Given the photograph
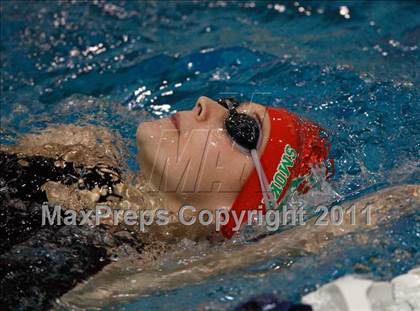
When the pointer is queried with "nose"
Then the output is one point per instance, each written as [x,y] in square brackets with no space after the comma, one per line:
[205,108]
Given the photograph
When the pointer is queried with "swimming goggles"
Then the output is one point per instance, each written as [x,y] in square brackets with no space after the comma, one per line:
[245,131]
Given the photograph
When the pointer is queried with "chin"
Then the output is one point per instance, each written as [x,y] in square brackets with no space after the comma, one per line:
[146,136]
[152,129]
[147,132]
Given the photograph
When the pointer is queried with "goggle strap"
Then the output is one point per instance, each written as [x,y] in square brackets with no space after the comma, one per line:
[268,197]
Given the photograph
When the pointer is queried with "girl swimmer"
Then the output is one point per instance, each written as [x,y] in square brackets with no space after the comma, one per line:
[220,155]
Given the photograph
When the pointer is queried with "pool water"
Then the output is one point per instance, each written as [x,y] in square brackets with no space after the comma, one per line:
[351,66]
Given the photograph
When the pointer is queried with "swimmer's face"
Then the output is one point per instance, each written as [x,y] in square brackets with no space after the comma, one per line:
[191,158]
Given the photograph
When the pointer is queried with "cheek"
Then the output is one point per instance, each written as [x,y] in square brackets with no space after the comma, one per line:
[146,133]
[224,164]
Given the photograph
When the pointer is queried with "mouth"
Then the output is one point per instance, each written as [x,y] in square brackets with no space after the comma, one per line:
[175,120]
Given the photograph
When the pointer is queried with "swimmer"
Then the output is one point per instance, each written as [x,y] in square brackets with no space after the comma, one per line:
[171,153]
[220,155]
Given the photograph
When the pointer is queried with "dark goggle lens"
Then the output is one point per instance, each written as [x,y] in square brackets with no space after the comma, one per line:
[243,129]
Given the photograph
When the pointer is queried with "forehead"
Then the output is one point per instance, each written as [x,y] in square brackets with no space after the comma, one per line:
[251,105]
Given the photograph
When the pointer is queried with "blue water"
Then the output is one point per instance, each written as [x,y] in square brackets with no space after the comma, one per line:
[351,66]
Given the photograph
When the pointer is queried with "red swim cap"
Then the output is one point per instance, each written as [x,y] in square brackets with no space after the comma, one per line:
[294,146]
